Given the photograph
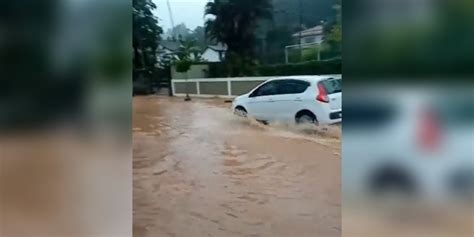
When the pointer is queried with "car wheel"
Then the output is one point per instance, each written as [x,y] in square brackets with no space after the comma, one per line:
[241,112]
[306,118]
[392,179]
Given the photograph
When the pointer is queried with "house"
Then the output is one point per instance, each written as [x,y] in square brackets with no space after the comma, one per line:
[314,35]
[306,40]
[167,50]
[169,45]
[214,53]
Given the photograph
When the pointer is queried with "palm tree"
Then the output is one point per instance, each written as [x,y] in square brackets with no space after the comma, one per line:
[234,23]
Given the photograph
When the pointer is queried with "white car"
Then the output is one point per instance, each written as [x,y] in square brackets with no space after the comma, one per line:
[408,142]
[300,99]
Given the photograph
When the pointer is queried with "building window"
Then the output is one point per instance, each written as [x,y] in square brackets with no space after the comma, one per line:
[309,39]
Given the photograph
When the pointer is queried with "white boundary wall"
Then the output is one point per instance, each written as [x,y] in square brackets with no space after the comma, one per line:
[229,81]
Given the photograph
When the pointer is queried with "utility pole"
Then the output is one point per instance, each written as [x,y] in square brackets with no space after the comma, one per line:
[171,15]
[173,36]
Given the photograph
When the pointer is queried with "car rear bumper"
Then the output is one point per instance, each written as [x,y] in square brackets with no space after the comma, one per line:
[326,115]
[335,115]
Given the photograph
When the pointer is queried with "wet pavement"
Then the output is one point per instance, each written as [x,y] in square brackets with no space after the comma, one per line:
[198,170]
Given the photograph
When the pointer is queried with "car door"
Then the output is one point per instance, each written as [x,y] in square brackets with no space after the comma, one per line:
[289,99]
[261,101]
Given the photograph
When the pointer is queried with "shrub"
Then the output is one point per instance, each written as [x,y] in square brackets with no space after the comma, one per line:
[307,68]
[217,70]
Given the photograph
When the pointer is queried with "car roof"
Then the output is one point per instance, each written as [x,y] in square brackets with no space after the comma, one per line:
[312,78]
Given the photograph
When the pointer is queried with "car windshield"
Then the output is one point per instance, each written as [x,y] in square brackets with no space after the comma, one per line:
[332,85]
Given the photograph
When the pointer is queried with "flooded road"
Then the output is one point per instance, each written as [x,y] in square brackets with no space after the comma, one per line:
[200,171]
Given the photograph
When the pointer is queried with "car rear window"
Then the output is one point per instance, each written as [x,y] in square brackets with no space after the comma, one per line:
[456,111]
[292,86]
[332,85]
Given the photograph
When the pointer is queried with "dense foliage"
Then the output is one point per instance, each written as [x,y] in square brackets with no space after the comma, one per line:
[146,36]
[187,54]
[287,13]
[306,68]
[234,23]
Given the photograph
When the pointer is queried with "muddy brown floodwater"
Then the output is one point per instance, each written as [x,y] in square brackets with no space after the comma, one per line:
[200,171]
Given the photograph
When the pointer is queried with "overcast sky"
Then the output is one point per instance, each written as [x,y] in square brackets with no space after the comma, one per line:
[189,12]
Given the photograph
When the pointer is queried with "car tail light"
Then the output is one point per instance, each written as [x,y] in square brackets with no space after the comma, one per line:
[322,94]
[429,133]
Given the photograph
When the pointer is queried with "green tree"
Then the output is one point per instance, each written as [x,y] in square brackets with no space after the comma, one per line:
[178,31]
[199,36]
[307,12]
[187,54]
[277,39]
[146,36]
[334,31]
[234,23]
